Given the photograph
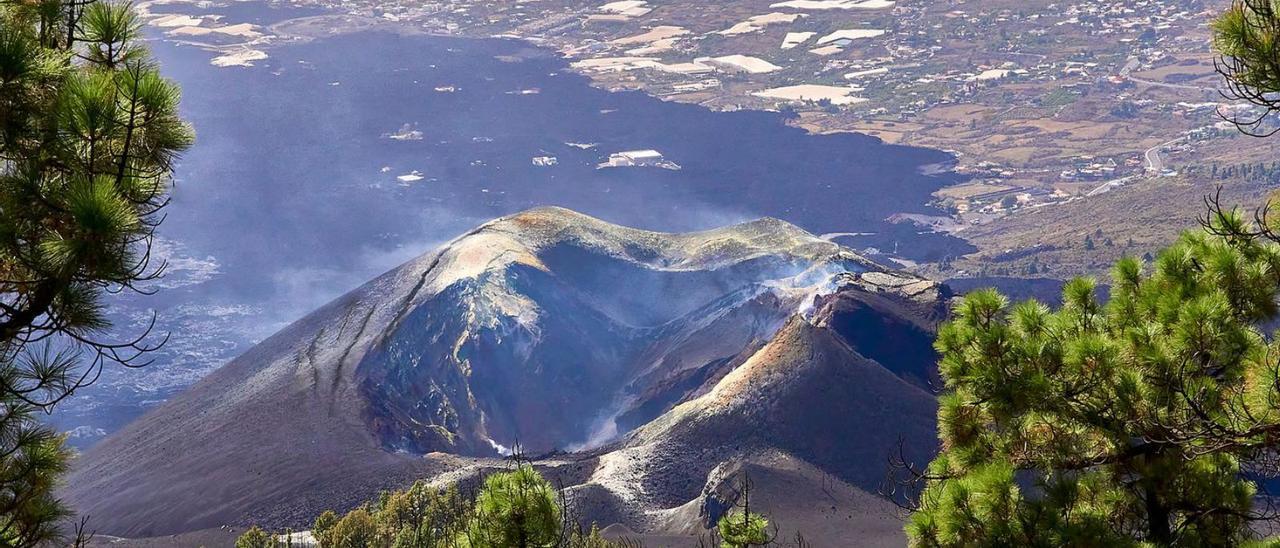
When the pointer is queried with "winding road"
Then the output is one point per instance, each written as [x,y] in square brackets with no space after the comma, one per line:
[1155,166]
[1155,163]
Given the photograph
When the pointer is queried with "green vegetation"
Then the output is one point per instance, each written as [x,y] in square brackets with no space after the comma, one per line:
[1247,36]
[257,538]
[513,509]
[516,508]
[88,134]
[1259,172]
[1142,421]
[418,516]
[740,529]
[1057,98]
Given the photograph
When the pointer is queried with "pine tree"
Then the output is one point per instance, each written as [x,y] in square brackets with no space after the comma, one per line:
[88,135]
[355,530]
[257,538]
[323,524]
[1143,420]
[1247,37]
[516,509]
[741,527]
[512,509]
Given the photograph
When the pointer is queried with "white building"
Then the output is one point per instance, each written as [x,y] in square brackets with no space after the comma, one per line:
[639,158]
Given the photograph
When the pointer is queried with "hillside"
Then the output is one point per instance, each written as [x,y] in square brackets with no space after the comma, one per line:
[648,363]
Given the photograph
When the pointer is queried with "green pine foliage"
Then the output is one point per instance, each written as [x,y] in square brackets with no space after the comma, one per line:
[324,523]
[1247,37]
[515,509]
[257,538]
[357,529]
[254,538]
[420,516]
[1249,32]
[740,526]
[512,509]
[88,135]
[1141,421]
[741,529]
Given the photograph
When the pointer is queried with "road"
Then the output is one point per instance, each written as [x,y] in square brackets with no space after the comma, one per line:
[1155,163]
[1133,63]
[1107,186]
[1172,86]
[1155,166]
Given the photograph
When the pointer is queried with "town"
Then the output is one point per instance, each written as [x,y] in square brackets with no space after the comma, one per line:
[1042,103]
